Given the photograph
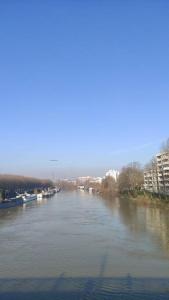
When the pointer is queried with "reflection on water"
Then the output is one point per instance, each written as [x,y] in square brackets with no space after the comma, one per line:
[82,235]
[11,214]
[143,219]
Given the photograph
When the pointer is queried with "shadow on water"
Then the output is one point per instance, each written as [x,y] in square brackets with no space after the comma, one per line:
[83,288]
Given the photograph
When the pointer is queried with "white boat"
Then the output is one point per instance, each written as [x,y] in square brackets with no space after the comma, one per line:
[29,197]
[39,196]
[56,189]
[48,193]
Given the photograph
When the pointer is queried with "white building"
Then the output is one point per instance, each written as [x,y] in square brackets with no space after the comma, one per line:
[96,180]
[90,179]
[163,171]
[156,179]
[84,179]
[112,173]
[150,180]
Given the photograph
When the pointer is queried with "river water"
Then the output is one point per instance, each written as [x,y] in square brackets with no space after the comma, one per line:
[85,247]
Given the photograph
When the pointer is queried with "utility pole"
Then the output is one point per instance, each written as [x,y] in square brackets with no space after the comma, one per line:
[53,161]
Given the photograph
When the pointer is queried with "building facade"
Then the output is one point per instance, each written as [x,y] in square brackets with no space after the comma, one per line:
[150,181]
[156,178]
[163,171]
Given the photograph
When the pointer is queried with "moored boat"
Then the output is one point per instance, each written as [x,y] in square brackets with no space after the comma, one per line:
[57,189]
[39,196]
[11,202]
[29,197]
[48,193]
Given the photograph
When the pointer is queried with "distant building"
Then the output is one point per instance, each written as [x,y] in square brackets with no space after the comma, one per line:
[83,179]
[156,179]
[113,173]
[89,179]
[96,180]
[69,180]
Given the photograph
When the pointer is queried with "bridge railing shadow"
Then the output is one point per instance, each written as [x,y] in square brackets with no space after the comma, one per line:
[83,288]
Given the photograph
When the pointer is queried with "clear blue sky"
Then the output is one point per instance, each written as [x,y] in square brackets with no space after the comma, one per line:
[84,82]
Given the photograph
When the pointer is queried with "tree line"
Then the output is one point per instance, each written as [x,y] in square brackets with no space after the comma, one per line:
[14,183]
[131,178]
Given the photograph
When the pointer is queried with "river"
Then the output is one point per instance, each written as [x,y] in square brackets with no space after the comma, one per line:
[75,239]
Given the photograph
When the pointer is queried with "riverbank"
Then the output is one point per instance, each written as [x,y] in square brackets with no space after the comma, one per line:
[147,198]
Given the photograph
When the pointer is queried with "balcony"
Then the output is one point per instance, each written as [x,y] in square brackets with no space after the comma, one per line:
[165,163]
[166,168]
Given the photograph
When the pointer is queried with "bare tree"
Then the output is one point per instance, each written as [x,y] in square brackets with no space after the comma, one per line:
[15,183]
[131,177]
[165,146]
[109,186]
[66,185]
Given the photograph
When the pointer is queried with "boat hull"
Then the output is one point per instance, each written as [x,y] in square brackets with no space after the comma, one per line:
[11,203]
[29,198]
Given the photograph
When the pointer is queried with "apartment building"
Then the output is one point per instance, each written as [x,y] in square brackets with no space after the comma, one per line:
[156,178]
[151,181]
[163,171]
